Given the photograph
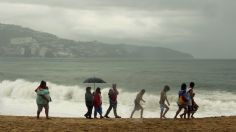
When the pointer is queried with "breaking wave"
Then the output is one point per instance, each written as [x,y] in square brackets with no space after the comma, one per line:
[18,98]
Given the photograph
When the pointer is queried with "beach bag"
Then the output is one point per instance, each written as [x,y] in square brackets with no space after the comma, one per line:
[182,100]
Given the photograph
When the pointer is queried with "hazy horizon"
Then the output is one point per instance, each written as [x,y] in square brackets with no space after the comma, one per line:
[204,29]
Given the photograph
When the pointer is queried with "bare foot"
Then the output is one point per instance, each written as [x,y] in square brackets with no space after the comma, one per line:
[117,117]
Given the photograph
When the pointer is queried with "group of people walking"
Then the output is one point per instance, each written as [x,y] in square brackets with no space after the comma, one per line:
[94,101]
[185,101]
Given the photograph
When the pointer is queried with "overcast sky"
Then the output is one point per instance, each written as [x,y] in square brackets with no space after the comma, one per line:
[203,28]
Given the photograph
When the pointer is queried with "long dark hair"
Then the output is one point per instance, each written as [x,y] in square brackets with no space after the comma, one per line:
[98,90]
[183,86]
[43,84]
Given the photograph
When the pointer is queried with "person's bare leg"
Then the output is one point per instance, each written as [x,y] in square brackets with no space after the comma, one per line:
[46,112]
[132,113]
[192,115]
[164,115]
[188,112]
[196,108]
[188,115]
[141,112]
[39,111]
[161,114]
[183,115]
[177,112]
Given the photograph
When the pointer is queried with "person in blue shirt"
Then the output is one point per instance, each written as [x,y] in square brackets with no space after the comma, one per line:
[182,101]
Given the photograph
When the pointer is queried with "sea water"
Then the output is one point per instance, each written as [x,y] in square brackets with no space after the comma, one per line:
[19,77]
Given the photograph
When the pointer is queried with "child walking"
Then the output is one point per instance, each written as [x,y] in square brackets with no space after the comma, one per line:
[137,103]
[182,101]
[163,98]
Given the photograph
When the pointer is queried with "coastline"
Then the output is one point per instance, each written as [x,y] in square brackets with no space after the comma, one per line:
[29,123]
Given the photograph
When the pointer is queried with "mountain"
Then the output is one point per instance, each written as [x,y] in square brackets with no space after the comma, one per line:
[18,41]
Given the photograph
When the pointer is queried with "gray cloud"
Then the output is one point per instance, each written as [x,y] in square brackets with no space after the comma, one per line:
[204,28]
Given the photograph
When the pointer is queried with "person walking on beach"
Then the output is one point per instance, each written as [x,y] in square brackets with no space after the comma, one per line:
[43,99]
[195,106]
[192,105]
[97,103]
[163,98]
[182,101]
[89,102]
[113,92]
[137,102]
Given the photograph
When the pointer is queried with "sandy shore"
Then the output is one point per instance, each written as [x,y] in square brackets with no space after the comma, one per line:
[19,123]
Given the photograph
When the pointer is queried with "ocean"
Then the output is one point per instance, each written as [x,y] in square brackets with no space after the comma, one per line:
[215,84]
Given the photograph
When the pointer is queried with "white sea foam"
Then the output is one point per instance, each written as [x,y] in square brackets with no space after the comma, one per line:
[18,98]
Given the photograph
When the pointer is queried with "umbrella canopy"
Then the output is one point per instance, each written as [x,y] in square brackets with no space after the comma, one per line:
[94,80]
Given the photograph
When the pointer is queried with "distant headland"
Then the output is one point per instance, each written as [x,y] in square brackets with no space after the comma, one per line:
[17,41]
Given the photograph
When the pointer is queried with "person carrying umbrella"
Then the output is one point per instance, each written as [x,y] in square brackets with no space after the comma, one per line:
[89,102]
[112,94]
[94,80]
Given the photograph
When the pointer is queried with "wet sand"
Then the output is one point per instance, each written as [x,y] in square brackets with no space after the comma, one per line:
[55,124]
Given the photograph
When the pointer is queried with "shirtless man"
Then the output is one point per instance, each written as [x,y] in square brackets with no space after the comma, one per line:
[137,102]
[163,98]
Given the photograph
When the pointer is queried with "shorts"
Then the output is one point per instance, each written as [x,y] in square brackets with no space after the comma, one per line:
[41,106]
[190,108]
[185,106]
[163,106]
[137,106]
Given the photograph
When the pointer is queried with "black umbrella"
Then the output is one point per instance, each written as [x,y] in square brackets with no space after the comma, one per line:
[94,80]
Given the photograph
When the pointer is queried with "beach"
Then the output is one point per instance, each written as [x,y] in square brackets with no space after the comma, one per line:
[215,94]
[55,124]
